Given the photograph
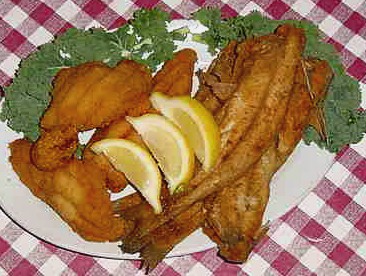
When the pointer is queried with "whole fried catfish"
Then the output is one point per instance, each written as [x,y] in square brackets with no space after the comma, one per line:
[234,215]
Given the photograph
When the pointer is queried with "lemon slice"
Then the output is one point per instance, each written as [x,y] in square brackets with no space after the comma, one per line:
[169,147]
[137,164]
[195,121]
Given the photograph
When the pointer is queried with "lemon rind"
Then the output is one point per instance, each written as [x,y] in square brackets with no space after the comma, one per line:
[199,114]
[150,192]
[144,122]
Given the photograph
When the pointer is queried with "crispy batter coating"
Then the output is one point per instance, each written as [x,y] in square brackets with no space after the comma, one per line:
[75,191]
[55,147]
[175,78]
[97,95]
[88,96]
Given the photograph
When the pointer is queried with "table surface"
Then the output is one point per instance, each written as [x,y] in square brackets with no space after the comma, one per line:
[324,235]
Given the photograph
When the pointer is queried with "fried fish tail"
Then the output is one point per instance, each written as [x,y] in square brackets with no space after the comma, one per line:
[164,238]
[219,72]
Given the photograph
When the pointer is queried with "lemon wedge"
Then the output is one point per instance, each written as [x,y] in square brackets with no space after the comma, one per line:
[169,147]
[137,164]
[196,123]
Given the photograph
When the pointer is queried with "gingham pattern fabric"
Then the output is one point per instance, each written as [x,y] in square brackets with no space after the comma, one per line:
[324,235]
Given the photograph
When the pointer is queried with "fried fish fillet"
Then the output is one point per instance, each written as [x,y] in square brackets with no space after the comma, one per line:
[240,59]
[88,96]
[84,97]
[175,78]
[76,192]
[97,95]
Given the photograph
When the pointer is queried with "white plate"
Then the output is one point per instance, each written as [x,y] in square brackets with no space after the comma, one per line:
[292,182]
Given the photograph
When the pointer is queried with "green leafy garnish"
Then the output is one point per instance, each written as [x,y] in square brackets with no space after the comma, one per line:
[150,42]
[345,121]
[220,32]
[145,39]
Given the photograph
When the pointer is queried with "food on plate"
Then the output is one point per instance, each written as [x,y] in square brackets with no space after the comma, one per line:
[196,123]
[74,188]
[175,78]
[342,104]
[248,150]
[79,103]
[234,215]
[120,128]
[271,84]
[169,146]
[236,191]
[25,100]
[75,191]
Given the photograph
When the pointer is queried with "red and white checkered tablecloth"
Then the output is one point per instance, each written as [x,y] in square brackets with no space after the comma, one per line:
[324,235]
